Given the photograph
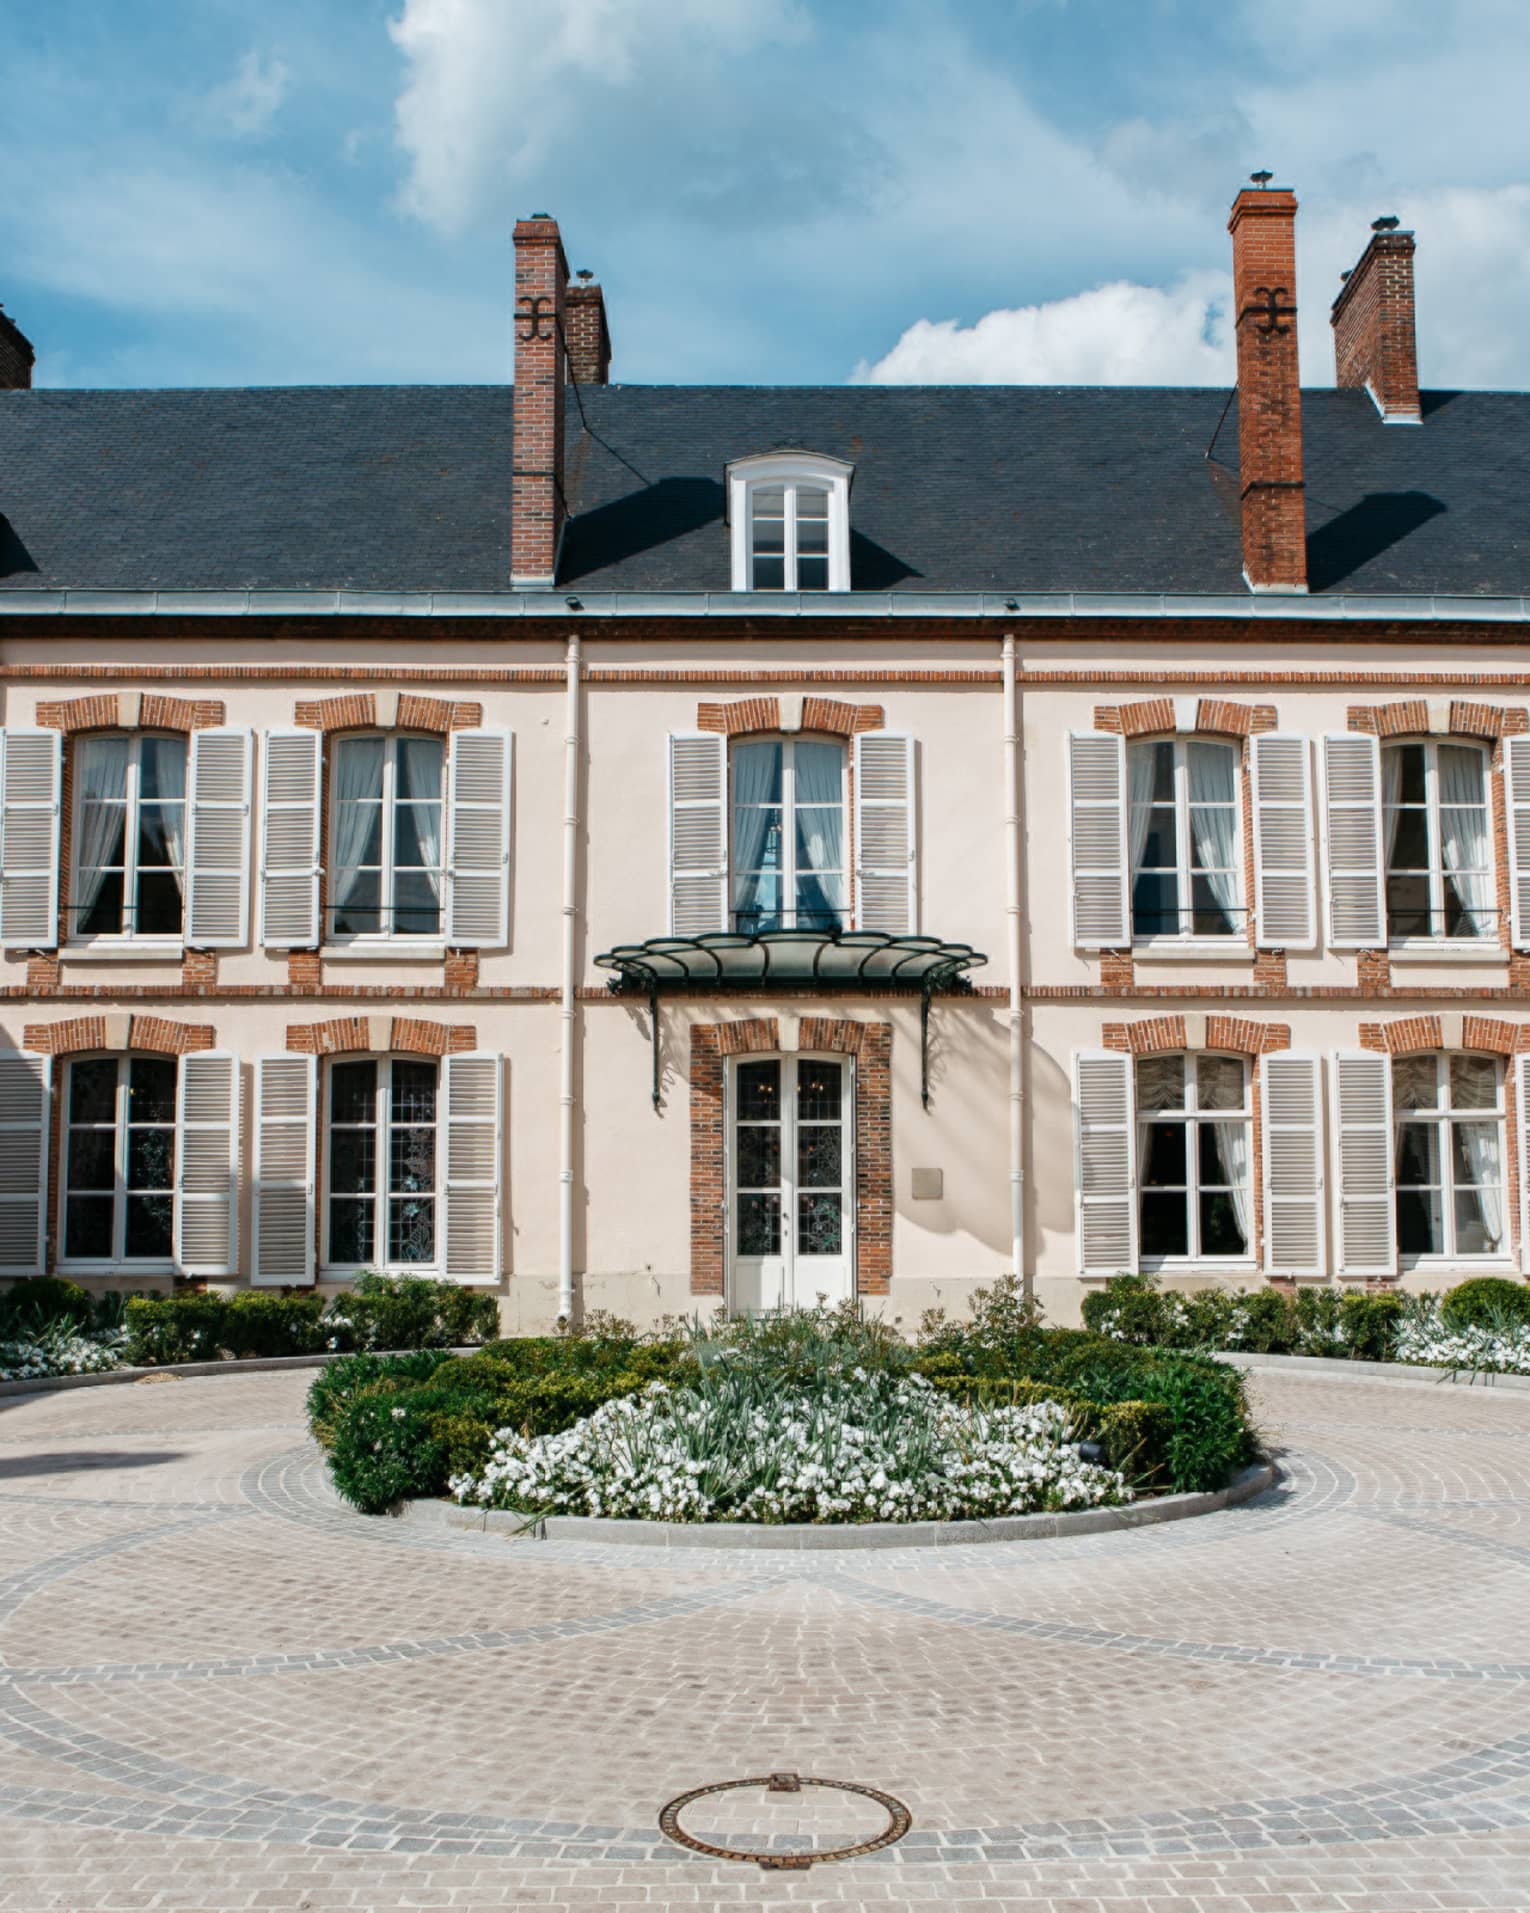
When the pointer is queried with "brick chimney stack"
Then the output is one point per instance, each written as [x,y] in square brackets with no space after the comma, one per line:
[16,357]
[589,338]
[1373,338]
[1263,228]
[537,504]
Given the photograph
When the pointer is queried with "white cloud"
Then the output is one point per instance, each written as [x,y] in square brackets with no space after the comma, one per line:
[248,103]
[1118,334]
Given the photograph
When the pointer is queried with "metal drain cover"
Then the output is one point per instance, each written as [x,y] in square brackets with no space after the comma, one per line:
[899,1820]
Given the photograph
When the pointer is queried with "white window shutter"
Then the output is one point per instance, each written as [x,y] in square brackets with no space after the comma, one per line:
[207,1164]
[471,1180]
[698,833]
[478,840]
[26,1083]
[289,840]
[1285,837]
[218,839]
[286,1123]
[1354,881]
[1101,901]
[1291,1108]
[1522,1143]
[1363,1144]
[30,781]
[1516,790]
[886,865]
[1105,1162]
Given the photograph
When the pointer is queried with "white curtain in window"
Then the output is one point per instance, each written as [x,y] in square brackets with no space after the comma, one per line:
[427,821]
[1213,823]
[1232,1148]
[820,782]
[101,775]
[1479,1150]
[172,782]
[1391,788]
[756,782]
[1464,834]
[1140,762]
[358,788]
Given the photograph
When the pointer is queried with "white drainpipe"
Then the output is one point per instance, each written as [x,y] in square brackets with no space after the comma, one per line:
[566,998]
[1016,1014]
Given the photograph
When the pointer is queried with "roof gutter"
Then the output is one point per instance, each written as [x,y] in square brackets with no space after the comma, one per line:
[816,607]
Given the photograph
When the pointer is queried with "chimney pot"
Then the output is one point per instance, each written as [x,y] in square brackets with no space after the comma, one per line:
[589,336]
[1272,494]
[1388,223]
[1374,342]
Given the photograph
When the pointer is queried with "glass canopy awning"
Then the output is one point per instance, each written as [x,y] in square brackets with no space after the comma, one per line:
[828,960]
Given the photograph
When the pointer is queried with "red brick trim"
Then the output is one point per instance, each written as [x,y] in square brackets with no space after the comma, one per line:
[398,1035]
[824,714]
[104,712]
[153,1033]
[873,1156]
[752,1035]
[1136,720]
[1238,1034]
[1116,972]
[1411,1035]
[709,1182]
[834,1035]
[1493,1033]
[358,712]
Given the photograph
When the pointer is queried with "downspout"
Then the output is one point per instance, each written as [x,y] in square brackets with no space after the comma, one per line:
[1012,937]
[566,996]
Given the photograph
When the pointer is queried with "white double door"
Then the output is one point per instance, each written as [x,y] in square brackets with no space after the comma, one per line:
[790,1182]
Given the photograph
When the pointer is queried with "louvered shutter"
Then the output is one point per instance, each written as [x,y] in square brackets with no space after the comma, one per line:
[206,1164]
[25,1085]
[289,841]
[1353,878]
[1285,833]
[1516,787]
[1105,1162]
[1101,906]
[286,1122]
[478,840]
[1522,1143]
[471,1180]
[1291,1108]
[218,839]
[886,871]
[1362,1122]
[698,833]
[30,778]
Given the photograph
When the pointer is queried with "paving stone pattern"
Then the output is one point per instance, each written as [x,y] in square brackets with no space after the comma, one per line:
[219,1688]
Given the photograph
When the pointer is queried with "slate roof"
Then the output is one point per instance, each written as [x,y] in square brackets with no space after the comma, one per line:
[957,488]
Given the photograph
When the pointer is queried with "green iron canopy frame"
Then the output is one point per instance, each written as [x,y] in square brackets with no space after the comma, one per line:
[826,960]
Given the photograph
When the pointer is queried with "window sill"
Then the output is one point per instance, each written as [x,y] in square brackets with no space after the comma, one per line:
[1197,949]
[1182,1265]
[385,949]
[128,949]
[1458,1264]
[1424,950]
[116,1270]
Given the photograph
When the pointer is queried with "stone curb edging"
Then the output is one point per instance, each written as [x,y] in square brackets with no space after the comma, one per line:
[797,1537]
[1393,1374]
[241,1365]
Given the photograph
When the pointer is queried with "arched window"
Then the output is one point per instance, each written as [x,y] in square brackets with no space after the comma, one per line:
[1449,1115]
[1186,868]
[788,840]
[1438,841]
[789,514]
[386,836]
[1194,1150]
[129,835]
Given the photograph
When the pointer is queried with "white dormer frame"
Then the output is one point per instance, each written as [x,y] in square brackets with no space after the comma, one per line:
[833,475]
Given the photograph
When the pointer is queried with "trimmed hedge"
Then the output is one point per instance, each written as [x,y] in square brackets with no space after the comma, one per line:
[1134,1309]
[1487,1301]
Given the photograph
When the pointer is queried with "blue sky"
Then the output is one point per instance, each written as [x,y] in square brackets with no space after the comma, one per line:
[316,191]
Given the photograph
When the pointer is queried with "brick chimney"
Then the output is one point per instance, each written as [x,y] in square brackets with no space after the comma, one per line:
[1373,342]
[1263,228]
[589,338]
[537,509]
[16,357]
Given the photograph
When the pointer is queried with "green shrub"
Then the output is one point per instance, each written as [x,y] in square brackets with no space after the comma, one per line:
[1133,1307]
[40,1300]
[1320,1322]
[341,1380]
[1486,1301]
[1370,1324]
[1269,1322]
[207,1328]
[412,1311]
[384,1450]
[1137,1438]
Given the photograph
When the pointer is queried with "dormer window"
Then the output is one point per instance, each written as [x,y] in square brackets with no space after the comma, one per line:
[789,514]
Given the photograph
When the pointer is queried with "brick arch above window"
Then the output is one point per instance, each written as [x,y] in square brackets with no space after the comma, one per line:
[1411,1035]
[130,711]
[1211,716]
[381,1035]
[823,714]
[386,711]
[1240,1035]
[1411,717]
[118,1031]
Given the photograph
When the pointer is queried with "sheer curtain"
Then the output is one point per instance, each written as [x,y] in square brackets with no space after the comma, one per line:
[1232,1149]
[1140,762]
[1213,824]
[1478,1144]
[1464,835]
[101,774]
[756,786]
[1391,787]
[358,792]
[172,799]
[820,802]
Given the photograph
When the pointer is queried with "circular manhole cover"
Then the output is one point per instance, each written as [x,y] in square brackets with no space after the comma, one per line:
[785,1820]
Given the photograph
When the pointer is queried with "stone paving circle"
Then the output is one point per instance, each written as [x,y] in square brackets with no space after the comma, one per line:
[219,1688]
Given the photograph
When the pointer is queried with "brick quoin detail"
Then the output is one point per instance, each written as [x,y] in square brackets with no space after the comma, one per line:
[104,712]
[1270,967]
[1116,971]
[305,970]
[1240,1035]
[199,970]
[107,1032]
[873,1159]
[401,1035]
[460,971]
[708,1163]
[1373,971]
[358,712]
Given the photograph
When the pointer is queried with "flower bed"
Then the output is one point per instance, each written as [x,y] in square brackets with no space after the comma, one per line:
[57,1348]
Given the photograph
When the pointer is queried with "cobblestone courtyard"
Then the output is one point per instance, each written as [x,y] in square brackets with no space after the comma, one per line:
[219,1689]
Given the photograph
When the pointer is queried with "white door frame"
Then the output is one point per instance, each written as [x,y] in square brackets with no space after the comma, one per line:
[798,1287]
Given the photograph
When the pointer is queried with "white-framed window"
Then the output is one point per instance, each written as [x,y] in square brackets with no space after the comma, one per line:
[1438,841]
[789,516]
[381,1167]
[1448,1112]
[1184,839]
[386,839]
[129,858]
[787,848]
[119,1161]
[1194,1149]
